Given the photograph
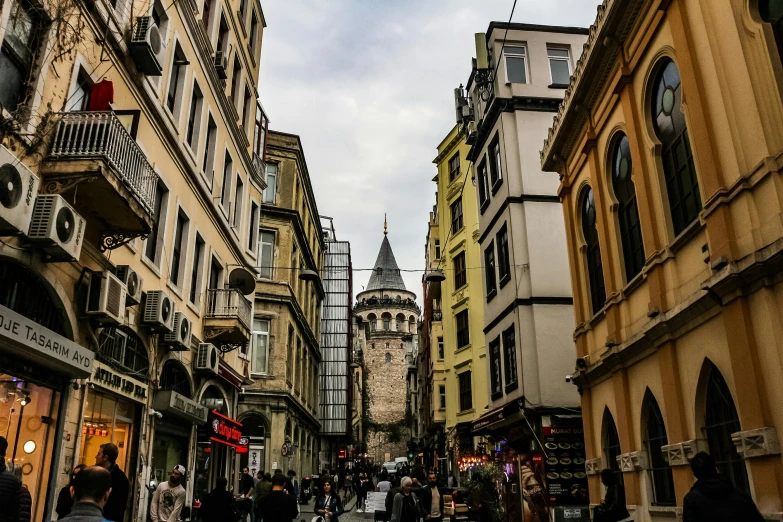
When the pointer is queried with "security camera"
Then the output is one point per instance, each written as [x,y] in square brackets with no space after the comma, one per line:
[569,378]
[582,362]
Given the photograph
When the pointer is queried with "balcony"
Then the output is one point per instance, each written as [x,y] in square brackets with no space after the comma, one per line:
[259,167]
[227,318]
[94,153]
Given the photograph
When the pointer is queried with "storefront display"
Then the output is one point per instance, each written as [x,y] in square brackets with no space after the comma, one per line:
[171,444]
[217,441]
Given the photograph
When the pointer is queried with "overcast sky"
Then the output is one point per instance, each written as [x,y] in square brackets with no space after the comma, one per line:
[368,85]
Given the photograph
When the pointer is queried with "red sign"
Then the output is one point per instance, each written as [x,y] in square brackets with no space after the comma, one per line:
[341,454]
[224,430]
[244,442]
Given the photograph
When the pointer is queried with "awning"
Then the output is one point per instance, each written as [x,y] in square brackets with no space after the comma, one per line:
[231,376]
[499,421]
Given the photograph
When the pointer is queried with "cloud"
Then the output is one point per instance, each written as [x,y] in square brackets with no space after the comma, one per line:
[368,85]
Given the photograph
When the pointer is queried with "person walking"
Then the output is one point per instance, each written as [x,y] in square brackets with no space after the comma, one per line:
[713,498]
[347,486]
[612,509]
[10,488]
[329,505]
[91,489]
[117,503]
[294,482]
[278,505]
[260,492]
[246,485]
[169,497]
[431,500]
[25,499]
[218,503]
[64,499]
[383,485]
[406,506]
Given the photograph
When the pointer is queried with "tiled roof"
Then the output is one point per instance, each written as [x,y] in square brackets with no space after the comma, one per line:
[386,273]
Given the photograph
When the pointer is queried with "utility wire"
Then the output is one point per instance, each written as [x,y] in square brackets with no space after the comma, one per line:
[495,72]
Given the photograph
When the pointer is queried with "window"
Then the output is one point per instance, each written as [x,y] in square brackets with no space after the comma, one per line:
[174,376]
[456,216]
[242,13]
[454,167]
[194,117]
[215,274]
[770,12]
[483,184]
[266,252]
[197,270]
[17,53]
[289,362]
[611,444]
[176,81]
[236,76]
[720,422]
[225,193]
[504,264]
[654,439]
[238,195]
[386,322]
[510,358]
[205,15]
[516,64]
[595,270]
[489,271]
[259,137]
[442,397]
[628,210]
[247,108]
[463,330]
[222,43]
[437,249]
[80,97]
[460,273]
[441,349]
[373,322]
[271,183]
[180,237]
[679,170]
[253,34]
[252,238]
[495,382]
[154,245]
[559,66]
[495,165]
[260,335]
[387,358]
[209,150]
[465,392]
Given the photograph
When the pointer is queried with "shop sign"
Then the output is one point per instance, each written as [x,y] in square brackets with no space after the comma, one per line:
[223,430]
[565,465]
[44,346]
[119,383]
[244,442]
[254,458]
[180,406]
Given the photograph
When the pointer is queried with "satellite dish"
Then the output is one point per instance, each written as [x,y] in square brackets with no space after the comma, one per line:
[242,280]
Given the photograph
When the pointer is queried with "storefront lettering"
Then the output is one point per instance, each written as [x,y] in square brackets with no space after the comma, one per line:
[111,380]
[189,408]
[224,430]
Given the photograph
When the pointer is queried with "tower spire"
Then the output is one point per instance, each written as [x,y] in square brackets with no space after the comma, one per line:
[385,225]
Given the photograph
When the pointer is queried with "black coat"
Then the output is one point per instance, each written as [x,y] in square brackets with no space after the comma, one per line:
[114,509]
[247,484]
[715,499]
[217,506]
[335,506]
[613,509]
[64,502]
[10,495]
[279,506]
[426,502]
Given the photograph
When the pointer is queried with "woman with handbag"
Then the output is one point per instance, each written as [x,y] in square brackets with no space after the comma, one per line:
[329,506]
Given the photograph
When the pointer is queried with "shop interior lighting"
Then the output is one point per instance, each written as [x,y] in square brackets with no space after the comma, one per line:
[26,400]
[29,446]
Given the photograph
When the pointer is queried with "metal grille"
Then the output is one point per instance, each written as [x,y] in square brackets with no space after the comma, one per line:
[124,351]
[174,377]
[228,303]
[25,294]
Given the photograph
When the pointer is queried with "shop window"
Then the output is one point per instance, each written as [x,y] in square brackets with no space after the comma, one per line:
[175,377]
[124,351]
[109,419]
[611,444]
[17,53]
[679,169]
[654,439]
[595,268]
[721,420]
[22,291]
[254,428]
[628,210]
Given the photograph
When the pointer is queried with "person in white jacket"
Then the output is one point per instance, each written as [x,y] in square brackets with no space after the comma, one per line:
[169,497]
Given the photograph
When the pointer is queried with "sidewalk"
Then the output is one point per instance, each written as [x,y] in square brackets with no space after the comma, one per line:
[309,507]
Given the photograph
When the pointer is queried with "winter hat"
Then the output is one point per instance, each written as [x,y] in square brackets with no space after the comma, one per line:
[405,481]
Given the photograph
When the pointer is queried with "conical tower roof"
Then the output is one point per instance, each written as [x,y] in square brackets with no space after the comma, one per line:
[386,273]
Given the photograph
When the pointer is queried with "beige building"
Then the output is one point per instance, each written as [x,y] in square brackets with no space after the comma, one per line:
[668,146]
[280,410]
[132,167]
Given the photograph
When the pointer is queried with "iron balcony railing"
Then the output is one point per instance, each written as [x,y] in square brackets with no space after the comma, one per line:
[102,135]
[437,315]
[228,303]
[260,167]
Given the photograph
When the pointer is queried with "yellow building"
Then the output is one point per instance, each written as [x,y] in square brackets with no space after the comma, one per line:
[132,166]
[669,145]
[461,303]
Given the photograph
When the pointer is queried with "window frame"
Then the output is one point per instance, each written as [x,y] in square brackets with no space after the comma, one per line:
[510,373]
[659,471]
[178,71]
[627,211]
[490,277]
[503,256]
[514,55]
[495,369]
[195,115]
[239,196]
[460,271]
[255,210]
[592,253]
[197,269]
[465,387]
[457,219]
[566,59]
[454,167]
[495,164]
[441,348]
[462,321]
[261,244]
[441,396]
[179,252]
[225,189]
[255,335]
[269,185]
[483,185]
[36,34]
[210,150]
[159,225]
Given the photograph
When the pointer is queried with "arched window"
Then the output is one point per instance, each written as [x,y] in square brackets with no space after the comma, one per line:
[373,322]
[174,377]
[123,350]
[213,399]
[595,268]
[720,422]
[771,12]
[610,442]
[654,439]
[628,211]
[22,291]
[400,322]
[388,358]
[386,321]
[678,167]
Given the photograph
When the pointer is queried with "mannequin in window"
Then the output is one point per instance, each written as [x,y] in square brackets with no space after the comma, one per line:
[612,508]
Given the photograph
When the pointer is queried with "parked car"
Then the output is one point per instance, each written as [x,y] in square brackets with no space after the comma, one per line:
[390,467]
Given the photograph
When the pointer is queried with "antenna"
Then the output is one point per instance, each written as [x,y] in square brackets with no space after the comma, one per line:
[385,225]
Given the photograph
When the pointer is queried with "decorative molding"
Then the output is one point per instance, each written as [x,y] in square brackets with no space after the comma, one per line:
[61,184]
[680,454]
[666,512]
[633,461]
[760,442]
[593,466]
[111,240]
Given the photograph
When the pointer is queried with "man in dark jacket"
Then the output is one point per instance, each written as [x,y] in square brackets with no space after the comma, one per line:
[106,458]
[431,500]
[90,490]
[218,504]
[10,488]
[278,505]
[613,507]
[714,498]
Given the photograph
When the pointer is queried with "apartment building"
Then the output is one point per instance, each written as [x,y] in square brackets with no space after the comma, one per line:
[132,160]
[668,145]
[279,411]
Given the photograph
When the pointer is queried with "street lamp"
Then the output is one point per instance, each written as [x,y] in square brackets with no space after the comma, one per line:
[308,275]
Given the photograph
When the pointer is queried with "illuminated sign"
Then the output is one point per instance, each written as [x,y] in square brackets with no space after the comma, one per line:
[224,430]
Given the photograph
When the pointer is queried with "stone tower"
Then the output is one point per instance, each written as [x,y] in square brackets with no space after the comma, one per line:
[386,317]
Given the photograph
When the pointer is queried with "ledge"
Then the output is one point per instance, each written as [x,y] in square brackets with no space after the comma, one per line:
[593,466]
[633,461]
[665,511]
[760,442]
[680,454]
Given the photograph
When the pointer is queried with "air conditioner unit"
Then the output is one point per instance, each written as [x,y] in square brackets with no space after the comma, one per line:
[159,311]
[179,338]
[106,298]
[57,228]
[133,282]
[146,46]
[18,188]
[207,359]
[221,64]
